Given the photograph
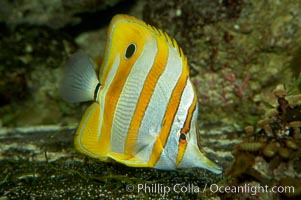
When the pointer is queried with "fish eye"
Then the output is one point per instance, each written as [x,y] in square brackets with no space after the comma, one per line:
[130,51]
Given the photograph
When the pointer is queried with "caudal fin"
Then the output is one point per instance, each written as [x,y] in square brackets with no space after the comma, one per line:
[79,80]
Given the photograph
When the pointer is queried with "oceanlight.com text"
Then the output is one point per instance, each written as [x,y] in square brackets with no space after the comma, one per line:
[159,188]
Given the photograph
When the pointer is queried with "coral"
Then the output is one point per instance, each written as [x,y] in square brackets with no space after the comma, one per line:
[236,49]
[271,154]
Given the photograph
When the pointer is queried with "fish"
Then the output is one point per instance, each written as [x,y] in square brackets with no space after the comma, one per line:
[144,107]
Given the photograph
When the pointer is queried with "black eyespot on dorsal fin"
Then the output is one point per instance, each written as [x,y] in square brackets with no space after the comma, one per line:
[183,136]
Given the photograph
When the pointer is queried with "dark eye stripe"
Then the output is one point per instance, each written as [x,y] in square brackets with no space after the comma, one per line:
[130,51]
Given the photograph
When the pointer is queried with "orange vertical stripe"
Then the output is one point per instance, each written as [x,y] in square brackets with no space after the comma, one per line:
[186,127]
[169,116]
[111,99]
[113,94]
[188,119]
[148,88]
[181,152]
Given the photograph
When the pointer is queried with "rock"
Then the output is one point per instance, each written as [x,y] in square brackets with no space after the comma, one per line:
[55,14]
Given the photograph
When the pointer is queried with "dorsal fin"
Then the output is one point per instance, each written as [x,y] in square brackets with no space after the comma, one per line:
[171,41]
[157,31]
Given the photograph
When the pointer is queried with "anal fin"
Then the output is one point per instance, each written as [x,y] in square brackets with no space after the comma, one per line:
[132,162]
